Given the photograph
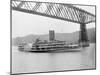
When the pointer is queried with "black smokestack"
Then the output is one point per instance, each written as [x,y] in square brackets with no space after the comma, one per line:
[51,35]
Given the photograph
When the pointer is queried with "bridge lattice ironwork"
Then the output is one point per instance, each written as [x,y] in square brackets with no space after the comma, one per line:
[61,11]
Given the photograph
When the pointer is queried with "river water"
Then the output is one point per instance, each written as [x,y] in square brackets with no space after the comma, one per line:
[25,62]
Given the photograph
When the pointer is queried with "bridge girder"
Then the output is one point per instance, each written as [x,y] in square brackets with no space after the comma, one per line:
[65,12]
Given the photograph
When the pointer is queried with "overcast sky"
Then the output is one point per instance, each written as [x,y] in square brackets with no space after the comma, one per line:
[24,24]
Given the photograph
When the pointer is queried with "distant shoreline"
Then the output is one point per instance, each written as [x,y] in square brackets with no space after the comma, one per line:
[68,37]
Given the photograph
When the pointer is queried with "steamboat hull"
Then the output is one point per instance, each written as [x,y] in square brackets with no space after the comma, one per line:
[62,49]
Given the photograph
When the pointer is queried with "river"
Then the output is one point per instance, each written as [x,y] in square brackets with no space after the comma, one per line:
[26,62]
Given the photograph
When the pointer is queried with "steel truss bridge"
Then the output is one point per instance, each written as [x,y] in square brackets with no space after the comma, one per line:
[61,11]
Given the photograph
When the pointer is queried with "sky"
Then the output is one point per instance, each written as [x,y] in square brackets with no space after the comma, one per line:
[25,24]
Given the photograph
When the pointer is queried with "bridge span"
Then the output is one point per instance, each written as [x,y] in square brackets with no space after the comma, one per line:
[62,11]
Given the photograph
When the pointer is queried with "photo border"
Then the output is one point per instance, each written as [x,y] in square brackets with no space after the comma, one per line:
[60,70]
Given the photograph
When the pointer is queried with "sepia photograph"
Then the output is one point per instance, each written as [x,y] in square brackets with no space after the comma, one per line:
[52,37]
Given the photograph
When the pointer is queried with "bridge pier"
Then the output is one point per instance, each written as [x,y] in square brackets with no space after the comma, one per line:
[83,37]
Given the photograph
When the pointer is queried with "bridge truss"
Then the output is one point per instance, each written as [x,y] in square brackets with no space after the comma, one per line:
[65,12]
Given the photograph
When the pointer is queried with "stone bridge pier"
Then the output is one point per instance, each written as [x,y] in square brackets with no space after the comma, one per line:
[83,36]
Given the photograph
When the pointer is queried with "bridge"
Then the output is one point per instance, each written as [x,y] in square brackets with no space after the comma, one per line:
[66,12]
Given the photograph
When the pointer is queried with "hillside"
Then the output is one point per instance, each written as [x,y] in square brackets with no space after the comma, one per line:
[68,37]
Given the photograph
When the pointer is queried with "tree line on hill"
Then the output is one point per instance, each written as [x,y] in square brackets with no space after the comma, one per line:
[68,37]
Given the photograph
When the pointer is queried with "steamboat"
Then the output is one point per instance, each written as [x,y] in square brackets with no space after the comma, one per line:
[52,45]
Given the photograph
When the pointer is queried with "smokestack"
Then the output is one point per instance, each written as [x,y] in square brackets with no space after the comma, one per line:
[51,35]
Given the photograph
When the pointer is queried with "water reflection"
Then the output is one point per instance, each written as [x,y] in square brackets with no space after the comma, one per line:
[88,57]
[23,62]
